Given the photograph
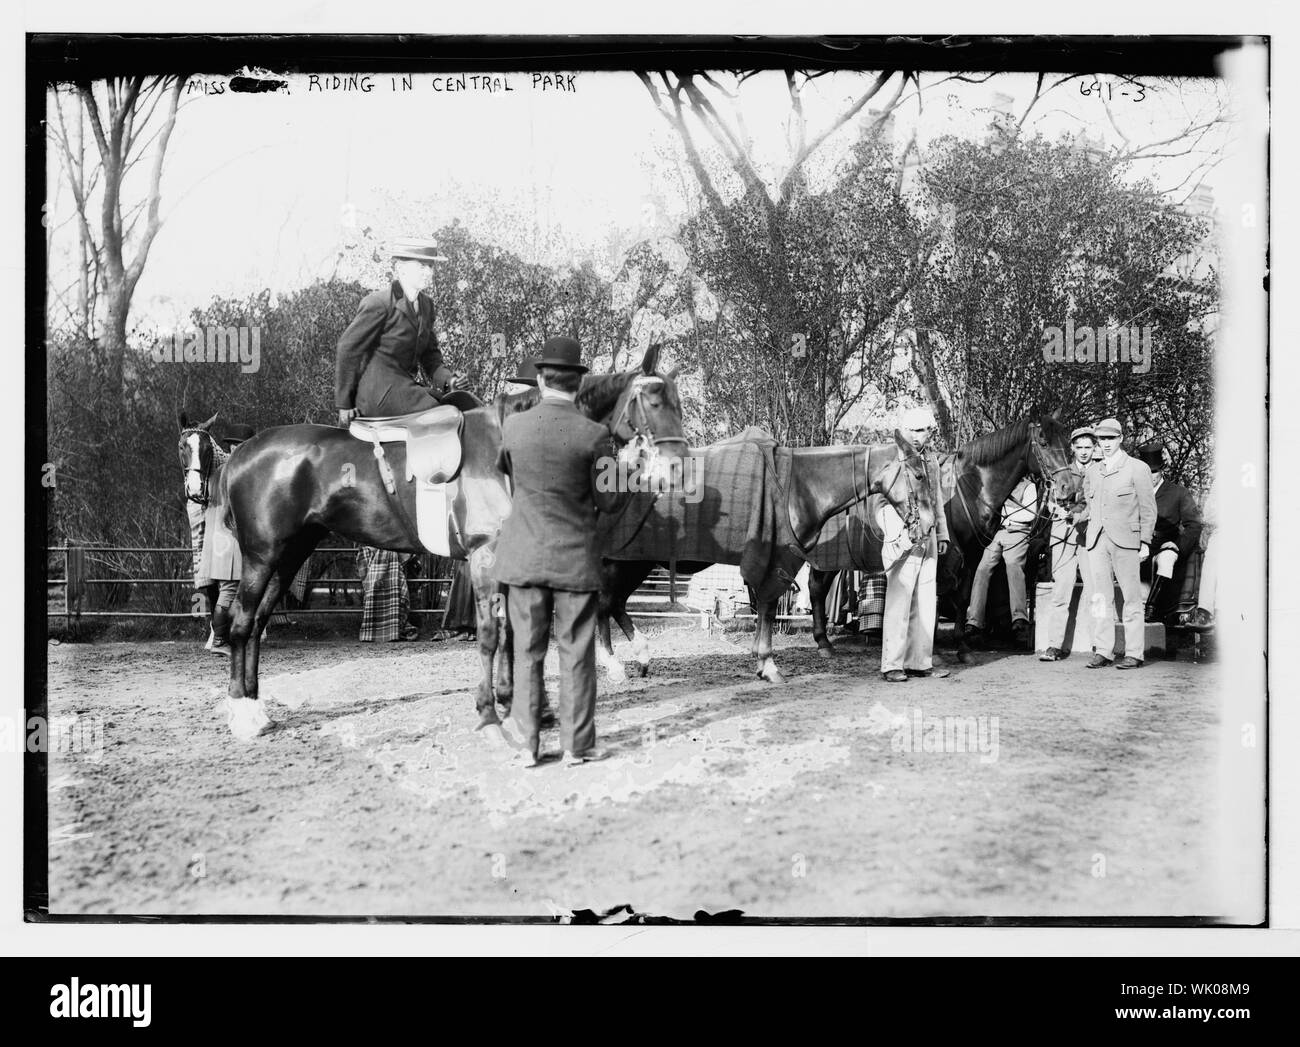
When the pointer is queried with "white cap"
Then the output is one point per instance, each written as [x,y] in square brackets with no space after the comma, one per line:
[917,418]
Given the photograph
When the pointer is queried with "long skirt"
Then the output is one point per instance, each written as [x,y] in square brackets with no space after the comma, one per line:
[385,598]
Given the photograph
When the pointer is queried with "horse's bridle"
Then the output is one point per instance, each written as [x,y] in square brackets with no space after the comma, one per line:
[626,430]
[218,459]
[912,518]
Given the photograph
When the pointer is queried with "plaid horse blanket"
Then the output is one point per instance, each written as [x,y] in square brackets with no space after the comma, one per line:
[731,508]
[851,540]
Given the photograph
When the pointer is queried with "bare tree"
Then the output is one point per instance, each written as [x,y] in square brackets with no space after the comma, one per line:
[130,121]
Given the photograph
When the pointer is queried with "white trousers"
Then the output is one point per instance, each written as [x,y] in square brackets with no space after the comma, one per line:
[1069,560]
[1113,566]
[910,595]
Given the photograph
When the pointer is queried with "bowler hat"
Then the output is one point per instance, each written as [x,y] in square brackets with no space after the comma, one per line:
[1152,453]
[561,351]
[527,374]
[1108,427]
[412,247]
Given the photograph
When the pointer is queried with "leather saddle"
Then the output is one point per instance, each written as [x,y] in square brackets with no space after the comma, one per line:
[432,438]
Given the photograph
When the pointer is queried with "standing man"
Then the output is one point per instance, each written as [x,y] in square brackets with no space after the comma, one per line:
[548,554]
[910,592]
[1011,544]
[1121,519]
[1070,558]
[391,341]
[1177,532]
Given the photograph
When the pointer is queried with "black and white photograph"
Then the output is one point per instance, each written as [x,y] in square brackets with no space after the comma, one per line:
[647,479]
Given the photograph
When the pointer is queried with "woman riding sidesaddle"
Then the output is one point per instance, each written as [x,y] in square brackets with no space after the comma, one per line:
[391,340]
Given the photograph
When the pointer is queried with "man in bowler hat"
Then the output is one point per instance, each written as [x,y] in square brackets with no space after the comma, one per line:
[548,554]
[391,340]
[1121,518]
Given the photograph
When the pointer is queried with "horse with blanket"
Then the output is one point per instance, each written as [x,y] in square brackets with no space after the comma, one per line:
[976,480]
[749,502]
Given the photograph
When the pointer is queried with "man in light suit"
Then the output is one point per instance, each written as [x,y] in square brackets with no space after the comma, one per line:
[1121,519]
[907,643]
[548,553]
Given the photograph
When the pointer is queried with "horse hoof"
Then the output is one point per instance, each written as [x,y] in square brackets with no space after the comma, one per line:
[771,674]
[642,669]
[617,674]
[826,652]
[492,736]
[965,658]
[246,718]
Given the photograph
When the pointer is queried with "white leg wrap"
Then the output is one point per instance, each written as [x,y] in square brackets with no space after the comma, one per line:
[246,718]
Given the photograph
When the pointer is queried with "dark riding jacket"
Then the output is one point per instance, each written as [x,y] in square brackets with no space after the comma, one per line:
[382,351]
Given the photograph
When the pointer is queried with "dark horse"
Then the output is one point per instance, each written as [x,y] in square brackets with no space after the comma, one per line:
[289,486]
[823,481]
[985,472]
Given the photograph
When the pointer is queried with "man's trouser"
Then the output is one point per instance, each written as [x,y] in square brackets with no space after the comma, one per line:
[530,610]
[1011,546]
[1069,558]
[1109,561]
[910,593]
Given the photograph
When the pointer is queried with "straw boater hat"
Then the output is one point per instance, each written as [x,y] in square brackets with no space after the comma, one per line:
[562,351]
[415,248]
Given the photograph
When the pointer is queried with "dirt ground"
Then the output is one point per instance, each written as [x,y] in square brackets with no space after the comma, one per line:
[1055,791]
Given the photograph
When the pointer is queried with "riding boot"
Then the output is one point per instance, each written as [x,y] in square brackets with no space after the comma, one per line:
[221,620]
[1153,598]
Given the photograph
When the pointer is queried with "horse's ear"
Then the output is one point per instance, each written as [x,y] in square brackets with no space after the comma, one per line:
[181,418]
[208,424]
[650,362]
[904,444]
[672,375]
[1055,415]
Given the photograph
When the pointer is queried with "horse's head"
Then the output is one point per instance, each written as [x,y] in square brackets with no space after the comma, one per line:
[1049,456]
[643,412]
[905,483]
[196,448]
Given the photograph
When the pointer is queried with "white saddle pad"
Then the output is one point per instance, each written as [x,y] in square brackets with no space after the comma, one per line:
[432,519]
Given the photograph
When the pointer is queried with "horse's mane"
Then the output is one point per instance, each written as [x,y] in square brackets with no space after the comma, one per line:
[600,392]
[997,445]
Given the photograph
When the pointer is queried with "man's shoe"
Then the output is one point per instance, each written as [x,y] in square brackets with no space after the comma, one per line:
[974,636]
[1129,663]
[1053,654]
[937,674]
[1099,662]
[578,759]
[1020,631]
[895,676]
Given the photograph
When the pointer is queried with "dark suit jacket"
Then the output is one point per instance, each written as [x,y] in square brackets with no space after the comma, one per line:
[378,355]
[549,538]
[1177,519]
